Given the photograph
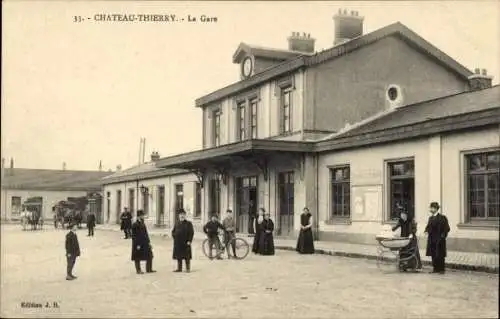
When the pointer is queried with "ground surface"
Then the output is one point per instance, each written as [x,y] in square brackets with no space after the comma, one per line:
[283,286]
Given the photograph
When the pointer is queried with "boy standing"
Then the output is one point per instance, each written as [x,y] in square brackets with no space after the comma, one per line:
[212,229]
[72,251]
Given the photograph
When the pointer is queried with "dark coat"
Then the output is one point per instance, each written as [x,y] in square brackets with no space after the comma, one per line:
[91,220]
[437,229]
[305,242]
[126,220]
[140,238]
[72,245]
[407,227]
[266,239]
[182,233]
[258,234]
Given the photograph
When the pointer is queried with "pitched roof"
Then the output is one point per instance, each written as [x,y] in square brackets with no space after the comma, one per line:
[140,172]
[263,52]
[47,179]
[395,29]
[448,106]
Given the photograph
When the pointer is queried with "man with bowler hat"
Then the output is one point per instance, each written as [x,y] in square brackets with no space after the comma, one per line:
[437,229]
[182,234]
[141,245]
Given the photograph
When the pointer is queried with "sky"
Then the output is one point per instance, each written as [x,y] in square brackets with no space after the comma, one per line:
[84,92]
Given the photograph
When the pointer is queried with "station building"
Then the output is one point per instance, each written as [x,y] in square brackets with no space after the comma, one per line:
[347,132]
[41,189]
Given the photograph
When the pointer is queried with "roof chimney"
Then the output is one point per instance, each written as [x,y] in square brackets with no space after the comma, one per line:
[64,166]
[100,165]
[480,80]
[347,26]
[301,42]
[155,156]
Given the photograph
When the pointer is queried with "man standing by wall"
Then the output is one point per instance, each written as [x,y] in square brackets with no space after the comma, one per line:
[72,251]
[437,229]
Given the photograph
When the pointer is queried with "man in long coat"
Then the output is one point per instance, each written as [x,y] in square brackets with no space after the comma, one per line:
[141,245]
[437,229]
[182,234]
[91,223]
[126,223]
[72,251]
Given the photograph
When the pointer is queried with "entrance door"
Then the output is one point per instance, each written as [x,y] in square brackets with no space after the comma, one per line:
[246,203]
[131,201]
[160,215]
[118,206]
[108,206]
[214,200]
[286,203]
[179,199]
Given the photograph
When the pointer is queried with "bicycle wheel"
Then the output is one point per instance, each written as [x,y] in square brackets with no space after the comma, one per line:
[238,248]
[386,260]
[206,250]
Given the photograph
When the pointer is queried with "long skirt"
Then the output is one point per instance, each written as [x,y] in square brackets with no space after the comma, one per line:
[266,246]
[256,242]
[305,243]
[405,254]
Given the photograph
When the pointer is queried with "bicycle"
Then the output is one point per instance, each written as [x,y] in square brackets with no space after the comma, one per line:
[238,246]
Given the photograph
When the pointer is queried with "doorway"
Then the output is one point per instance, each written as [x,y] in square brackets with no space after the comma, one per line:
[131,201]
[286,203]
[246,203]
[179,199]
[160,216]
[118,206]
[402,187]
[214,200]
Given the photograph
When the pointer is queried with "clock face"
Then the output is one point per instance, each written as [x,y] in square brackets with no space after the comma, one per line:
[247,67]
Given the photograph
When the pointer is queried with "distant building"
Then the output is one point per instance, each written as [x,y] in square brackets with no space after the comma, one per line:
[379,118]
[44,187]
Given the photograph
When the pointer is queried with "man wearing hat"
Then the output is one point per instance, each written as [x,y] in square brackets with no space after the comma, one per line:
[182,234]
[72,251]
[437,229]
[141,245]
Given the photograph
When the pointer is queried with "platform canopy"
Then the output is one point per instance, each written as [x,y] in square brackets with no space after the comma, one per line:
[226,156]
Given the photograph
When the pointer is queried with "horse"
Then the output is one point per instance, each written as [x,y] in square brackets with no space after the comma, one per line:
[25,216]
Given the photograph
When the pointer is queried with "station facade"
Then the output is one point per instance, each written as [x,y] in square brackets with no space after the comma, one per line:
[379,118]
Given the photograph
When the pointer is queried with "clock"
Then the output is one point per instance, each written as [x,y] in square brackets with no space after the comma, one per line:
[247,67]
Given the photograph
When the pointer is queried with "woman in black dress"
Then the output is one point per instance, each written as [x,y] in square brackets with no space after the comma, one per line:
[305,243]
[266,246]
[258,231]
[408,228]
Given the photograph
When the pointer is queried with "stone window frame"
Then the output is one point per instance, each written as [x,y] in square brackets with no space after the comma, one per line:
[283,86]
[245,99]
[212,113]
[345,218]
[388,205]
[466,220]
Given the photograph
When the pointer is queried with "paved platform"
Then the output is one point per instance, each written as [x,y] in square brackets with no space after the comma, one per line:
[287,285]
[456,260]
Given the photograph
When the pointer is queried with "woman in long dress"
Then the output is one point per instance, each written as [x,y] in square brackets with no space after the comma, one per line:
[266,237]
[258,231]
[305,243]
[408,228]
